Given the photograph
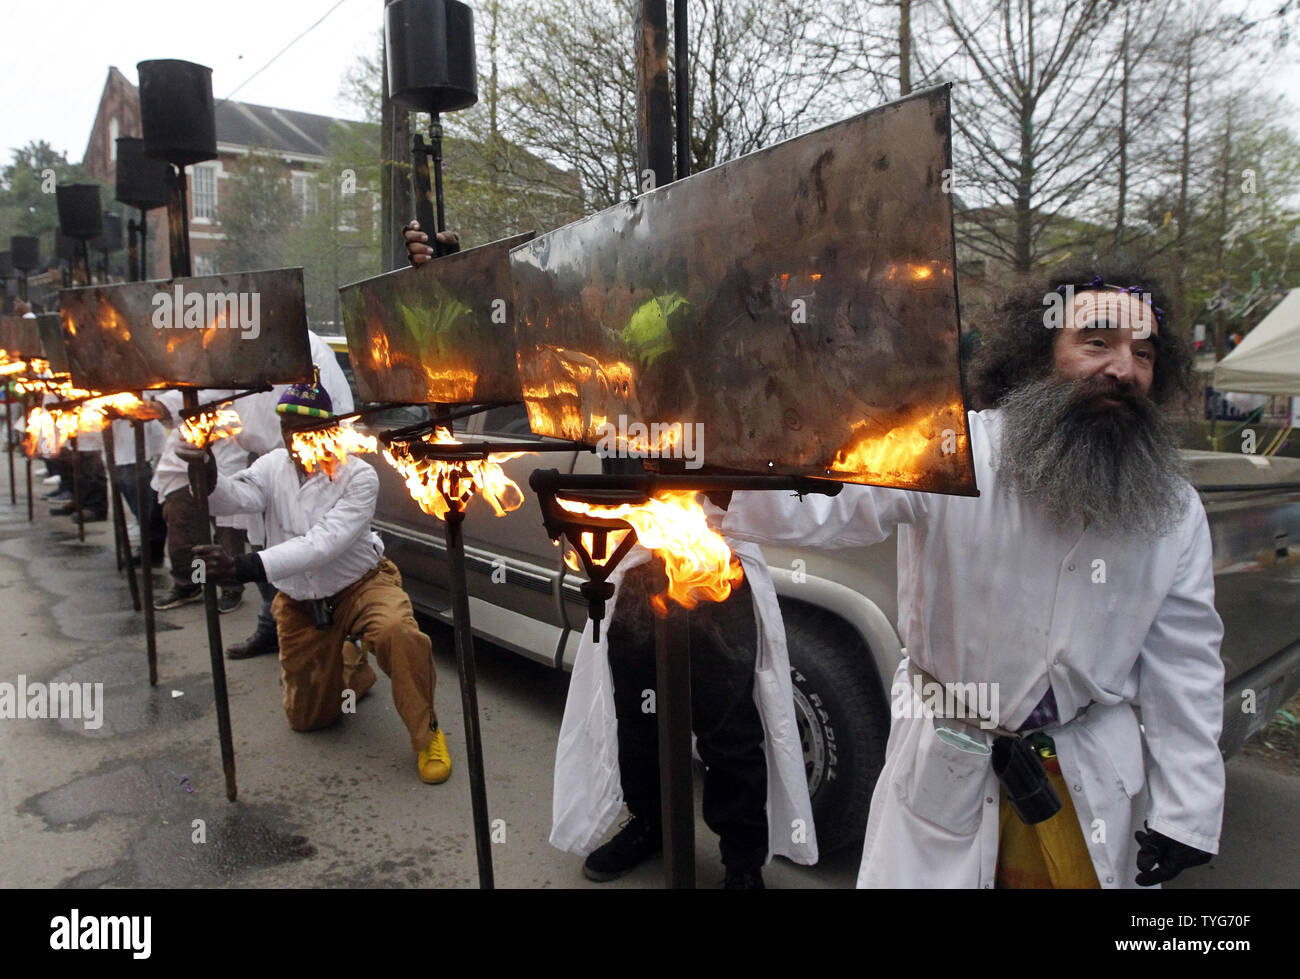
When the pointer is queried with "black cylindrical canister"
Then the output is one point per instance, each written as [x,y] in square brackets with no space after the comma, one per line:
[430,47]
[25,252]
[80,215]
[141,180]
[177,113]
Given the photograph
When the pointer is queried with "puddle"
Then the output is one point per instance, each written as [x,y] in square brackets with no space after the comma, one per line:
[190,836]
[128,703]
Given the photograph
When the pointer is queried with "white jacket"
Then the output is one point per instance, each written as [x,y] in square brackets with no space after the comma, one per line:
[260,431]
[318,532]
[588,793]
[992,591]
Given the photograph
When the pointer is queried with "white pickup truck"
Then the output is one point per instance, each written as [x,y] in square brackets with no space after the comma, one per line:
[840,606]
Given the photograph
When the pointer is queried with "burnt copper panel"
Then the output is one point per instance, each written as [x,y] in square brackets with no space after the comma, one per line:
[436,332]
[19,337]
[798,303]
[149,334]
[53,348]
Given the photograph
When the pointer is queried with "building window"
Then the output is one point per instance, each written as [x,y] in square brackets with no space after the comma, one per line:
[204,265]
[205,192]
[304,194]
[112,140]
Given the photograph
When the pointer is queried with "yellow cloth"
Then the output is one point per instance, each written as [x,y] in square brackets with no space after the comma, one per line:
[1050,854]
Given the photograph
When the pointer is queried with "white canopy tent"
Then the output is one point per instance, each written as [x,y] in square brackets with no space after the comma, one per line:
[1267,361]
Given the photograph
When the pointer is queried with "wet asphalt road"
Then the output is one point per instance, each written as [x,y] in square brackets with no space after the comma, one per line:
[121,805]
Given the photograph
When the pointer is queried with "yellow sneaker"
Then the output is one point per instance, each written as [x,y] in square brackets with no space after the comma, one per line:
[434,762]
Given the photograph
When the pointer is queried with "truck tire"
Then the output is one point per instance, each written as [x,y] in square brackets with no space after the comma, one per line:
[843,721]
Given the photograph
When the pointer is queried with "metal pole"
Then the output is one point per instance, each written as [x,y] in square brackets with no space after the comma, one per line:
[435,150]
[144,513]
[9,434]
[178,225]
[673,711]
[132,253]
[214,624]
[114,502]
[31,504]
[76,488]
[120,535]
[469,693]
[144,245]
[654,138]
[682,70]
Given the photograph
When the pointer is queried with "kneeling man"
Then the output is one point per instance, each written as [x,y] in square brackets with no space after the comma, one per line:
[333,580]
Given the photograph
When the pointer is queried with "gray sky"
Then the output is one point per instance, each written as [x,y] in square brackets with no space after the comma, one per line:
[56,56]
[56,59]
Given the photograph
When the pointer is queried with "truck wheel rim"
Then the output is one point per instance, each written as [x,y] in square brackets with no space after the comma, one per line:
[812,740]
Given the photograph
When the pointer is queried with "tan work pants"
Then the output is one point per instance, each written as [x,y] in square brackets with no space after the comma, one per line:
[377,611]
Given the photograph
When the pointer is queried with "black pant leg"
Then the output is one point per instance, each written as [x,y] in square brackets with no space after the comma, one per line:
[94,484]
[631,643]
[729,728]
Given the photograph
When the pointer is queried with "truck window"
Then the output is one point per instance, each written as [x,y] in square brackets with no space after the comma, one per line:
[508,420]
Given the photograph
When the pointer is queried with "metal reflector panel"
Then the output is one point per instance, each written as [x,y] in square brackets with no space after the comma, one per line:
[19,337]
[796,307]
[440,332]
[215,331]
[53,348]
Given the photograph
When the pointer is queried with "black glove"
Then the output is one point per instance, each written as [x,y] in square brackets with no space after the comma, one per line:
[202,465]
[1169,857]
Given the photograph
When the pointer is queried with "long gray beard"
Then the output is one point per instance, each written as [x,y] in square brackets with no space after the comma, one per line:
[1117,467]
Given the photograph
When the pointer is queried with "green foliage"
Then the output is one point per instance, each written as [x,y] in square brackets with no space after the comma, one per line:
[25,206]
[256,211]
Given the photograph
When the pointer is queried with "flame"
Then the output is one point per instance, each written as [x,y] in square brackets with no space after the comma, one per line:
[899,454]
[566,381]
[47,428]
[379,350]
[432,482]
[700,565]
[328,448]
[204,429]
[54,426]
[452,384]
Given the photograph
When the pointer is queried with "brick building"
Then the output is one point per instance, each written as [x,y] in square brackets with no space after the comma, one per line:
[300,139]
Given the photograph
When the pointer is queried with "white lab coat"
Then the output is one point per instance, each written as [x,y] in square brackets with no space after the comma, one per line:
[172,472]
[319,539]
[588,793]
[124,440]
[260,432]
[991,590]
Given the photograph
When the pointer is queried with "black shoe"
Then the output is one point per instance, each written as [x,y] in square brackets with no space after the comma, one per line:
[89,516]
[744,880]
[230,599]
[179,596]
[634,844]
[258,644]
[63,509]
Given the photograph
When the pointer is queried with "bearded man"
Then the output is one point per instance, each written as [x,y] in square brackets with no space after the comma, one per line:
[1077,586]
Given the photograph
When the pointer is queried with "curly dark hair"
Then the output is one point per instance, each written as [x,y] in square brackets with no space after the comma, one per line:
[1017,346]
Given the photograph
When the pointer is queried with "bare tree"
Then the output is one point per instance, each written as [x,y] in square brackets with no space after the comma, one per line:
[758,75]
[1037,77]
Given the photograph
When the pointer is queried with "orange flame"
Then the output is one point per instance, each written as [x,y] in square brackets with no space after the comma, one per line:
[700,565]
[54,426]
[899,454]
[204,429]
[433,482]
[328,448]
